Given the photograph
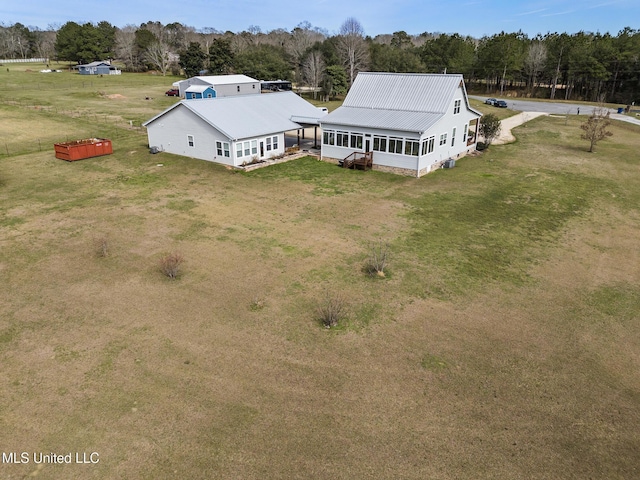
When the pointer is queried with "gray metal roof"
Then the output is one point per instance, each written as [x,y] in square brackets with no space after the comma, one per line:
[411,102]
[384,119]
[410,92]
[226,79]
[246,116]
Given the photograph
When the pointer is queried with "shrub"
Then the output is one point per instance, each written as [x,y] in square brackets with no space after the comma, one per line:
[170,264]
[257,304]
[378,258]
[102,247]
[331,310]
[490,127]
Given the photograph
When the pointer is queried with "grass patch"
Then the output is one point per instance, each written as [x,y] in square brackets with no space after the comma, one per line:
[468,237]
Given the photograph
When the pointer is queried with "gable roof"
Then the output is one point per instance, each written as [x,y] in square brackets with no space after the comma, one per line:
[226,79]
[246,116]
[199,88]
[398,101]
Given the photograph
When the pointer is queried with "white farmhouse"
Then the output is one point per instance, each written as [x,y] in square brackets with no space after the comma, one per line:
[412,123]
[234,130]
[223,85]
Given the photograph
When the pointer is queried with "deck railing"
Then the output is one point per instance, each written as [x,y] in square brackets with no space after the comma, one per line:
[363,160]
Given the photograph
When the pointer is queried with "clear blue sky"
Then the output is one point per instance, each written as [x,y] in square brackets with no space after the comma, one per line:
[466,17]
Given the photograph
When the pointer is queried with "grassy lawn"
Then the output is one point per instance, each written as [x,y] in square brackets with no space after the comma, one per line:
[502,343]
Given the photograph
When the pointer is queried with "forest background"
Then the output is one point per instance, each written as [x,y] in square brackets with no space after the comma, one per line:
[598,67]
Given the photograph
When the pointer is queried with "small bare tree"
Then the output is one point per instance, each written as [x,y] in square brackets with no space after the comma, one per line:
[170,264]
[378,258]
[595,128]
[102,246]
[332,309]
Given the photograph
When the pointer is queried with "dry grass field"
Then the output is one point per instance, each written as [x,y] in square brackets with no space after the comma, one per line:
[503,342]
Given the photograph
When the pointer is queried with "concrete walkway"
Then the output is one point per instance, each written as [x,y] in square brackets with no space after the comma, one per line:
[512,122]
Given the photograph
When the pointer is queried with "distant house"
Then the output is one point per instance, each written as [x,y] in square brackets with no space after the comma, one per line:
[200,91]
[98,68]
[233,130]
[412,123]
[224,85]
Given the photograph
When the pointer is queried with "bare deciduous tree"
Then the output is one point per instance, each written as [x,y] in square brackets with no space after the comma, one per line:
[535,62]
[158,54]
[313,70]
[126,49]
[595,128]
[353,48]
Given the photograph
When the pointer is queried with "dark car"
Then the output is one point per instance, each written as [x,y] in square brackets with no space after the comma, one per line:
[174,92]
[490,101]
[500,104]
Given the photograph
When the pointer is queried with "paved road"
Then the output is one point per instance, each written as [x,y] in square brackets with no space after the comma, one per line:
[560,108]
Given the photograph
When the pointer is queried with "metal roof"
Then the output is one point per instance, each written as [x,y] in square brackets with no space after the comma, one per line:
[411,102]
[226,79]
[410,92]
[383,119]
[198,88]
[246,116]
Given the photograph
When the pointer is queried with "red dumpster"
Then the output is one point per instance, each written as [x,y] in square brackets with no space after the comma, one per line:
[81,149]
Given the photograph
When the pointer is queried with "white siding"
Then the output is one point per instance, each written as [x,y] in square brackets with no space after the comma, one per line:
[170,133]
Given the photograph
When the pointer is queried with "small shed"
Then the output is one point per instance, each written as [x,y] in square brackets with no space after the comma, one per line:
[200,91]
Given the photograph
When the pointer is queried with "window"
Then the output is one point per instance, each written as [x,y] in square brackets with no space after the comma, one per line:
[222,148]
[395,145]
[456,107]
[275,143]
[342,139]
[356,140]
[268,143]
[453,137]
[238,149]
[443,139]
[411,147]
[428,145]
[238,88]
[254,147]
[464,132]
[247,149]
[379,144]
[329,137]
[190,141]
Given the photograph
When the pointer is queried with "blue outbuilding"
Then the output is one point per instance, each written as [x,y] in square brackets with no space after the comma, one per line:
[200,91]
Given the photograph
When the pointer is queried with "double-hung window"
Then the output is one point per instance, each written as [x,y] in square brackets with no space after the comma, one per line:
[190,141]
[222,149]
[453,137]
[443,139]
[456,106]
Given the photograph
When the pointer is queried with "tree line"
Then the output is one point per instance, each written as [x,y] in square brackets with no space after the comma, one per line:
[587,66]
